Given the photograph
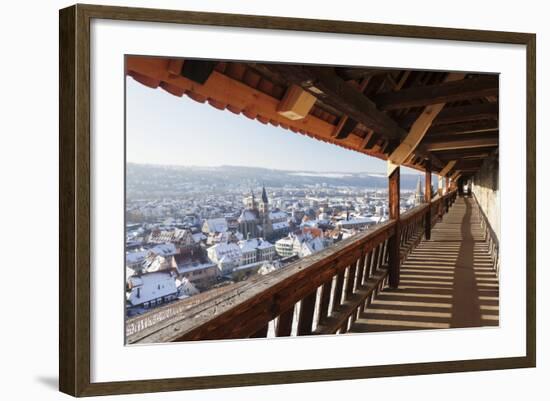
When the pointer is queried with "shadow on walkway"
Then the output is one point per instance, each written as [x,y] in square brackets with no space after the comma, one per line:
[446,282]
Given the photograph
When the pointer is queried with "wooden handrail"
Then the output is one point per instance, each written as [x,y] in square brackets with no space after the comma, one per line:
[320,294]
[490,237]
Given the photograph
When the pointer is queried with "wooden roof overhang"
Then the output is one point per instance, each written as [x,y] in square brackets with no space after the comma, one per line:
[445,121]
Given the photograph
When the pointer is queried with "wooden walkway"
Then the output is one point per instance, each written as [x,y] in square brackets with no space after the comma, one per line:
[446,282]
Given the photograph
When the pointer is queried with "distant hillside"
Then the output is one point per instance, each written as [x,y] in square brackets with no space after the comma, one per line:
[143,177]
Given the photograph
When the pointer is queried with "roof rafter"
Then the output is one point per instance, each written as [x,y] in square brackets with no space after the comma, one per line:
[440,93]
[461,142]
[336,92]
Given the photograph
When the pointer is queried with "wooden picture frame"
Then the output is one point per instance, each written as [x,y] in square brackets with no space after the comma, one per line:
[75,198]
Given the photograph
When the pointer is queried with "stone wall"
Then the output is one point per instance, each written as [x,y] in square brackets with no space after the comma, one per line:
[485,186]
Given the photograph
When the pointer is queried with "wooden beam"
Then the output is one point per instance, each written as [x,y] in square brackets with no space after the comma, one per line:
[416,133]
[455,175]
[394,257]
[447,168]
[336,92]
[460,143]
[451,115]
[464,153]
[464,128]
[296,103]
[419,127]
[352,103]
[367,139]
[420,151]
[441,93]
[463,164]
[346,125]
[357,73]
[174,66]
[198,70]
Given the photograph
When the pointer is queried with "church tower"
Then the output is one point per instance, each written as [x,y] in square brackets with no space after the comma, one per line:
[267,226]
[264,204]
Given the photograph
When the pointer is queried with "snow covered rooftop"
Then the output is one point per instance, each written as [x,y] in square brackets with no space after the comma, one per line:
[133,258]
[281,225]
[165,250]
[216,225]
[247,215]
[253,244]
[277,215]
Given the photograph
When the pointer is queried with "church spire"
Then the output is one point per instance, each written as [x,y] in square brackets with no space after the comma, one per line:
[264,195]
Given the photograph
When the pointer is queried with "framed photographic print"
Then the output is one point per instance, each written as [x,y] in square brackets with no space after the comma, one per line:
[305,200]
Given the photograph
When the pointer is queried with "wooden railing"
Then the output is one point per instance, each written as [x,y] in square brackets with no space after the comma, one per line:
[155,316]
[320,294]
[490,237]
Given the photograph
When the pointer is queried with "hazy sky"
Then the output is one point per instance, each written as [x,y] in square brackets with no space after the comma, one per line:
[166,129]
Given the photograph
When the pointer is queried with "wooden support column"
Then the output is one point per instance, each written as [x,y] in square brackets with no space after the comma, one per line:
[394,241]
[428,200]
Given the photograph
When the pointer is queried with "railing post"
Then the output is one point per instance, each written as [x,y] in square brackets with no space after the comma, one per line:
[428,200]
[395,240]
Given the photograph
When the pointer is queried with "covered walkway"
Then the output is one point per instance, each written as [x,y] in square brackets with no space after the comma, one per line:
[446,282]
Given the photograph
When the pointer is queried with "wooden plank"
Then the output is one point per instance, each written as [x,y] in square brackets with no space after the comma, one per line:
[305,318]
[296,103]
[441,93]
[393,246]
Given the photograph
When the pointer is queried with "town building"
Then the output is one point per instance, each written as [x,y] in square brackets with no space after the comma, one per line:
[256,250]
[196,267]
[151,289]
[226,256]
[215,226]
